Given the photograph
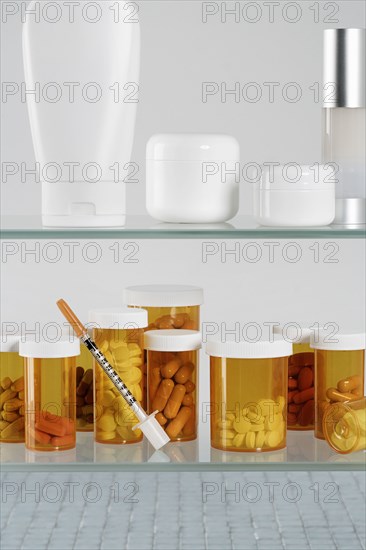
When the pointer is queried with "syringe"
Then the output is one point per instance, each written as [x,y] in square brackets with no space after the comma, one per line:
[148,423]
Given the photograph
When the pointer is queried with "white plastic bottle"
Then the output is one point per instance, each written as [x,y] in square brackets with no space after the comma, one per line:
[82,60]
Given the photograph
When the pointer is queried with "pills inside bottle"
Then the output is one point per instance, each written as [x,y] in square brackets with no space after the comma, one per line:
[172,359]
[11,391]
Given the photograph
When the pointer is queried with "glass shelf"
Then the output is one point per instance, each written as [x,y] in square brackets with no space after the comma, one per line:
[303,453]
[144,227]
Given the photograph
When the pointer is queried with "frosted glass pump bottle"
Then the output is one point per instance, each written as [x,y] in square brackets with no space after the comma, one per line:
[344,119]
[83,66]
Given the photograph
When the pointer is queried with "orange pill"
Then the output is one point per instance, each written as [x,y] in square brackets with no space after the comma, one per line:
[52,427]
[307,413]
[38,436]
[305,359]
[161,419]
[335,395]
[291,419]
[305,378]
[292,383]
[176,425]
[169,370]
[190,426]
[175,401]
[291,395]
[190,386]
[62,441]
[292,408]
[187,400]
[184,373]
[154,381]
[349,384]
[303,396]
[162,395]
[189,325]
[293,370]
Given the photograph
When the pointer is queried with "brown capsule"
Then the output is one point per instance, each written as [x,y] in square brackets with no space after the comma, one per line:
[161,419]
[12,404]
[190,426]
[184,373]
[349,384]
[190,386]
[187,400]
[169,370]
[6,395]
[89,396]
[6,382]
[80,401]
[10,416]
[13,428]
[79,374]
[18,385]
[162,394]
[177,424]
[335,395]
[174,402]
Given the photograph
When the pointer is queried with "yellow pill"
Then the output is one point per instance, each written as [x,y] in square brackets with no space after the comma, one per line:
[250,440]
[136,392]
[133,376]
[242,426]
[225,424]
[239,440]
[136,361]
[134,349]
[259,440]
[273,422]
[230,416]
[273,438]
[227,442]
[108,398]
[117,344]
[106,423]
[256,427]
[227,434]
[106,436]
[123,432]
[120,354]
[259,420]
[266,407]
[103,346]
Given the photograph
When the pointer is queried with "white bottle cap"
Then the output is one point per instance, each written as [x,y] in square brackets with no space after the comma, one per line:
[44,349]
[151,428]
[172,340]
[119,318]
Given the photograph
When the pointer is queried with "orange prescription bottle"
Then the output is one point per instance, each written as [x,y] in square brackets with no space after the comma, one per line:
[300,415]
[168,306]
[339,372]
[50,408]
[119,334]
[344,426]
[172,380]
[11,391]
[248,388]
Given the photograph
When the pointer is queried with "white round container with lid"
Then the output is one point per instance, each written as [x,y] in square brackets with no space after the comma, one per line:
[295,196]
[248,394]
[192,178]
[172,368]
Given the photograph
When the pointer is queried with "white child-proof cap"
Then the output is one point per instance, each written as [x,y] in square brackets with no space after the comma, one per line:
[119,318]
[172,340]
[296,333]
[44,349]
[9,343]
[249,350]
[155,433]
[338,342]
[163,295]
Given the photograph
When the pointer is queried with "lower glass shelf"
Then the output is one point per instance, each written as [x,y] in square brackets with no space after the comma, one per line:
[303,453]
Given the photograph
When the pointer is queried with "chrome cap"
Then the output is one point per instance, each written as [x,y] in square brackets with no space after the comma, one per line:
[344,68]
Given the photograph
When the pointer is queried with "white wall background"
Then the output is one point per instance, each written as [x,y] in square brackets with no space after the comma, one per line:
[179,52]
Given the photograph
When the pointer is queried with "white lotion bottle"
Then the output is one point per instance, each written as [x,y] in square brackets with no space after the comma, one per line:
[84,68]
[344,120]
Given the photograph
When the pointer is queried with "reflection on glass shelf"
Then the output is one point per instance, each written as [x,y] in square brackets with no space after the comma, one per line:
[145,227]
[303,452]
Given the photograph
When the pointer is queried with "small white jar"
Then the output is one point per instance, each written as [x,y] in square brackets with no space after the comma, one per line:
[192,178]
[295,196]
